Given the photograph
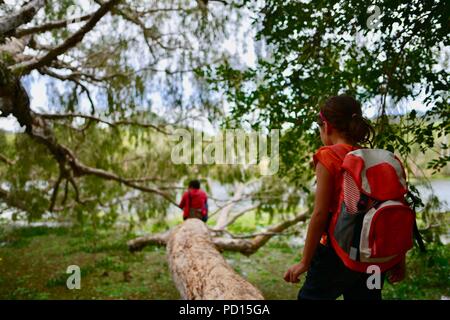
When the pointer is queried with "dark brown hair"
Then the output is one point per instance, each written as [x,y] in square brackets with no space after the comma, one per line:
[345,115]
[194,184]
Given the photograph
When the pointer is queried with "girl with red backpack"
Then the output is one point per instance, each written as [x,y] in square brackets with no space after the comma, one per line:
[360,218]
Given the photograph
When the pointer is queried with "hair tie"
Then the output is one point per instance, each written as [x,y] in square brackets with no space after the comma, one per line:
[322,117]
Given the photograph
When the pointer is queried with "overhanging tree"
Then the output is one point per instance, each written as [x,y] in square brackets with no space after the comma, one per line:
[101,67]
[386,57]
[104,146]
[99,145]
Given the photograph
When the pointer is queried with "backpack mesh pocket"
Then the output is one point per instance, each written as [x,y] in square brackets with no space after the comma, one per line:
[351,193]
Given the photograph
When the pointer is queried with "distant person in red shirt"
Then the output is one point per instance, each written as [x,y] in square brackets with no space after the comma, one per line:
[194,202]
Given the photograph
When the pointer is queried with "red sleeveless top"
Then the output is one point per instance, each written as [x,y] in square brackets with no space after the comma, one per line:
[331,158]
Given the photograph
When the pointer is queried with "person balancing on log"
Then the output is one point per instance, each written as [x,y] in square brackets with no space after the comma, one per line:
[194,202]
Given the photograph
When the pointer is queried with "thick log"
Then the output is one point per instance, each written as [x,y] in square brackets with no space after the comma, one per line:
[199,271]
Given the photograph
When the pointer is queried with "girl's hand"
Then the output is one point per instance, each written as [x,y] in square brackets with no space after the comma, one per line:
[397,273]
[294,272]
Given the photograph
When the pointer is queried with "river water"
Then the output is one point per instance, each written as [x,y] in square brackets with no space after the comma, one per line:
[439,188]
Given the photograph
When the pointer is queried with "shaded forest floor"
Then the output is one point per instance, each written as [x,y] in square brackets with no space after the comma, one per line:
[33,261]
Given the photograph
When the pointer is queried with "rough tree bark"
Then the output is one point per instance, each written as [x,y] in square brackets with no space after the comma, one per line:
[198,269]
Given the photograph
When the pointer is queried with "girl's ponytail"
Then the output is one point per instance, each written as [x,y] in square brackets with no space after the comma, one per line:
[360,130]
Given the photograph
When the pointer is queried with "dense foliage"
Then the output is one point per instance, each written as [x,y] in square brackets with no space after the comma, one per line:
[386,56]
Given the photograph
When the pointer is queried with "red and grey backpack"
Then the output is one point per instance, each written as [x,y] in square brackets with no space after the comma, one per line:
[373,224]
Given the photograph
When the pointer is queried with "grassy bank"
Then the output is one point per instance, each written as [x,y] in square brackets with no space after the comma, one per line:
[33,261]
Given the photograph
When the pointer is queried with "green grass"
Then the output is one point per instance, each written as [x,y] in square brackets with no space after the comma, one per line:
[36,269]
[33,263]
[428,275]
[265,269]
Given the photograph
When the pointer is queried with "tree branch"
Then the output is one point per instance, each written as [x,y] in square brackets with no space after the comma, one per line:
[242,245]
[97,119]
[157,239]
[224,213]
[18,104]
[72,78]
[260,240]
[10,201]
[9,23]
[81,169]
[72,41]
[50,26]
[55,191]
[6,160]
[239,214]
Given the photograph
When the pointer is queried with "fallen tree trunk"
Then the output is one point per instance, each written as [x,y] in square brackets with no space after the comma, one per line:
[199,270]
[244,246]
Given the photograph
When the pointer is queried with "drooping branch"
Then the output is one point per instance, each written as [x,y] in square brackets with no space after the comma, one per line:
[97,119]
[11,201]
[9,23]
[72,41]
[139,20]
[49,26]
[83,169]
[55,190]
[14,100]
[73,79]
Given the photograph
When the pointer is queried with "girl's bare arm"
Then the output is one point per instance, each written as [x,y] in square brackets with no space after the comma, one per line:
[317,224]
[319,218]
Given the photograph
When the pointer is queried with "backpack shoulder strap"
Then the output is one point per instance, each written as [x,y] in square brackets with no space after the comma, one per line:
[418,237]
[416,231]
[190,200]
